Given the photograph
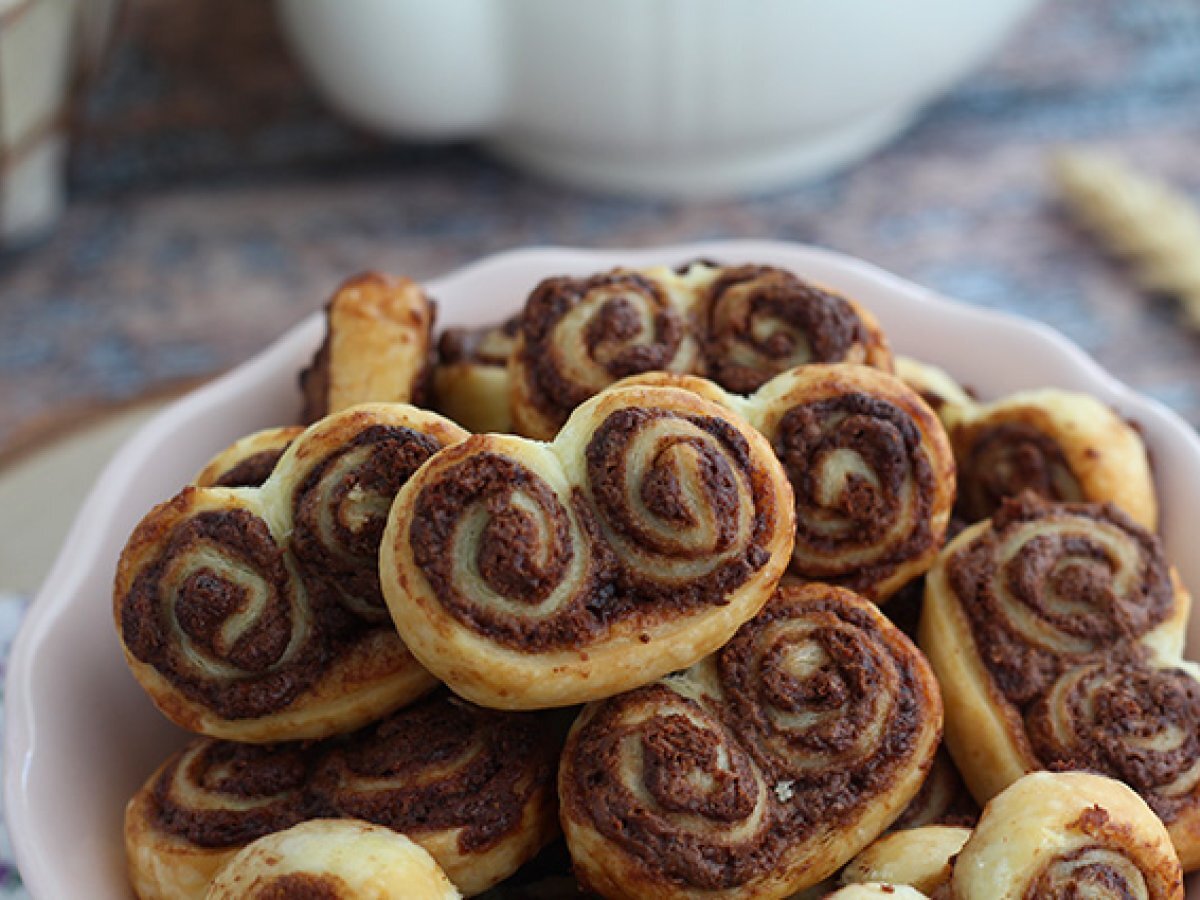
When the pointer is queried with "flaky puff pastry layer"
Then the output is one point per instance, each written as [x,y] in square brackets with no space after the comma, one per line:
[870,465]
[1061,445]
[529,575]
[922,858]
[249,460]
[738,325]
[471,383]
[378,341]
[255,614]
[335,859]
[1068,834]
[1056,632]
[761,770]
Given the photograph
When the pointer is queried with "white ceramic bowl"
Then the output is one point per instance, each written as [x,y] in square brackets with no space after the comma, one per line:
[81,735]
[685,98]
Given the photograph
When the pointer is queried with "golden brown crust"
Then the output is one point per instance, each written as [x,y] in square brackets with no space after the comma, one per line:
[474,787]
[248,461]
[1061,445]
[762,769]
[528,575]
[255,614]
[471,381]
[922,858]
[378,341]
[1069,834]
[1082,622]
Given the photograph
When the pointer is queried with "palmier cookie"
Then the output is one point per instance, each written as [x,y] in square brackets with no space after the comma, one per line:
[528,575]
[378,346]
[333,859]
[1061,445]
[870,466]
[1056,632]
[255,614]
[1068,834]
[740,325]
[248,461]
[474,787]
[922,858]
[471,382]
[760,771]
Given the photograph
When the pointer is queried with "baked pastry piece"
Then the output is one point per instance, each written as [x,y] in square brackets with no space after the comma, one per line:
[761,770]
[471,382]
[740,325]
[474,787]
[876,890]
[250,460]
[1068,834]
[527,575]
[333,859]
[922,858]
[255,614]
[378,345]
[1061,445]
[1056,632]
[942,800]
[870,466]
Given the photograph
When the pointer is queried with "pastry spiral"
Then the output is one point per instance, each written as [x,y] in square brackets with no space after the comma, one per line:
[870,466]
[1052,628]
[579,335]
[1060,445]
[471,382]
[1069,834]
[377,347]
[922,858]
[249,461]
[738,325]
[332,859]
[761,770]
[474,787]
[761,321]
[255,614]
[527,575]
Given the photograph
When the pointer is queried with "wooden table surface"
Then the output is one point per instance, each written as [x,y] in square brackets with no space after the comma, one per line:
[199,228]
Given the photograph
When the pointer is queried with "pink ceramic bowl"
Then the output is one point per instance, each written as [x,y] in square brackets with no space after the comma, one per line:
[80,734]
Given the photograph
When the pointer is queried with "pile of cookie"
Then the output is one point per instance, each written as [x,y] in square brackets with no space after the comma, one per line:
[669,586]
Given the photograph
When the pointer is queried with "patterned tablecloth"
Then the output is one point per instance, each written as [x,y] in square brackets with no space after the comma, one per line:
[200,229]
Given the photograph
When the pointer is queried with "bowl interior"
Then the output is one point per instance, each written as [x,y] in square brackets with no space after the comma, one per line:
[81,736]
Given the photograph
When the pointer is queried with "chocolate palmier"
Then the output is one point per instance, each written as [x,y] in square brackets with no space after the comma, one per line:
[255,614]
[248,461]
[471,382]
[527,575]
[761,770]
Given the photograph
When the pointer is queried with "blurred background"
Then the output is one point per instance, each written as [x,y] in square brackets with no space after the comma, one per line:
[184,180]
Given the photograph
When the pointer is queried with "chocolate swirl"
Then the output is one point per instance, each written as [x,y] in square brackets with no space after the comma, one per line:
[1007,459]
[1129,720]
[761,321]
[680,501]
[580,335]
[440,766]
[660,775]
[218,794]
[775,760]
[864,485]
[1046,587]
[222,613]
[1092,872]
[341,507]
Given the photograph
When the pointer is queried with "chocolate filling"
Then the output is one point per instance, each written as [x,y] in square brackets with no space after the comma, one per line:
[777,321]
[252,471]
[1008,459]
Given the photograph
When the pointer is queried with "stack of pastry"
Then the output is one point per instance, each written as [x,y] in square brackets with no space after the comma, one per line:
[713,484]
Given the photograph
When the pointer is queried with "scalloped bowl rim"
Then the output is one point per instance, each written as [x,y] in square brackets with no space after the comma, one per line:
[976,345]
